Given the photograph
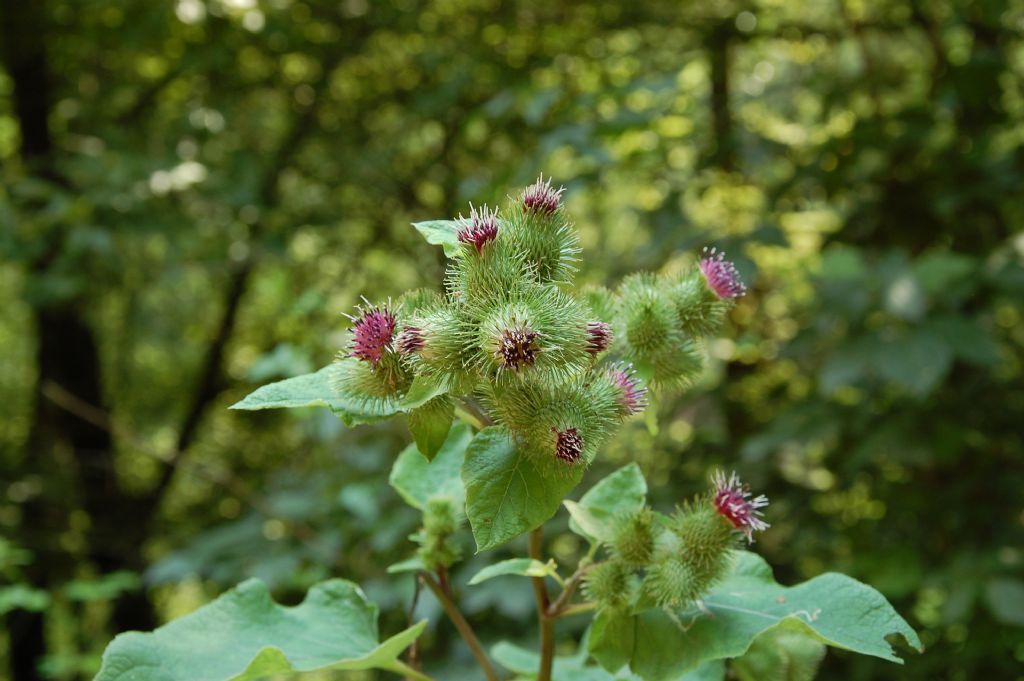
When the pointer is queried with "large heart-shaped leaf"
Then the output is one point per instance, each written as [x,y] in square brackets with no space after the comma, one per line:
[832,608]
[622,492]
[507,491]
[245,635]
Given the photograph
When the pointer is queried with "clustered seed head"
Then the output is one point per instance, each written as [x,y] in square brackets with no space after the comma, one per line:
[722,276]
[372,334]
[606,584]
[732,500]
[480,229]
[541,198]
[410,340]
[599,337]
[517,347]
[507,326]
[634,539]
[634,395]
[568,445]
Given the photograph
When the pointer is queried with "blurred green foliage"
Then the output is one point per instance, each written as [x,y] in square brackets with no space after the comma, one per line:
[193,191]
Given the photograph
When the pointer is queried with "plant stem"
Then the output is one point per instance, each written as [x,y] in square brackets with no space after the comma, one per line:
[400,667]
[577,609]
[461,624]
[473,408]
[469,418]
[547,623]
[413,655]
[561,604]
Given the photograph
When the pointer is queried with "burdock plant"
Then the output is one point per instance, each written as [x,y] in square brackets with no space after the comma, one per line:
[511,381]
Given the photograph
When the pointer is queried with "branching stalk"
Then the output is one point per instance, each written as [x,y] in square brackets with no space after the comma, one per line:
[561,604]
[464,628]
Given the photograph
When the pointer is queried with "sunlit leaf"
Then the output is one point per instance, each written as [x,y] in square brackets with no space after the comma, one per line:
[245,635]
[622,492]
[443,233]
[524,567]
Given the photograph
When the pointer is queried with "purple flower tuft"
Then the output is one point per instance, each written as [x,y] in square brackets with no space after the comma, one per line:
[480,228]
[568,445]
[599,337]
[721,274]
[540,197]
[410,340]
[634,395]
[372,334]
[517,347]
[732,500]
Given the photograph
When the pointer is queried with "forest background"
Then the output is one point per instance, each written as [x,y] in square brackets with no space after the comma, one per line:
[192,193]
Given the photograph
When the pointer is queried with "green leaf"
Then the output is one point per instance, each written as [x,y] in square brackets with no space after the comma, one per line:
[918,362]
[780,655]
[525,664]
[414,564]
[417,479]
[105,588]
[831,608]
[355,406]
[23,597]
[507,492]
[424,388]
[245,635]
[622,492]
[443,233]
[1005,597]
[525,567]
[430,424]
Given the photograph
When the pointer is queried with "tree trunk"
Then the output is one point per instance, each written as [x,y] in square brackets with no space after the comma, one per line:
[70,454]
[722,152]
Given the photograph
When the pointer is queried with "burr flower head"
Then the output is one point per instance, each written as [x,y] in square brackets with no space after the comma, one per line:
[568,445]
[634,395]
[372,333]
[541,198]
[480,228]
[517,347]
[721,274]
[410,340]
[732,501]
[599,337]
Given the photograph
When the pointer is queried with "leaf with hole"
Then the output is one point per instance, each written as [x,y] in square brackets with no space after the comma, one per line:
[834,609]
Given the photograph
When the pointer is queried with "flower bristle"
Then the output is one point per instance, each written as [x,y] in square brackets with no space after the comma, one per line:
[599,337]
[568,445]
[721,275]
[372,333]
[480,228]
[410,340]
[541,197]
[732,500]
[634,394]
[517,348]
